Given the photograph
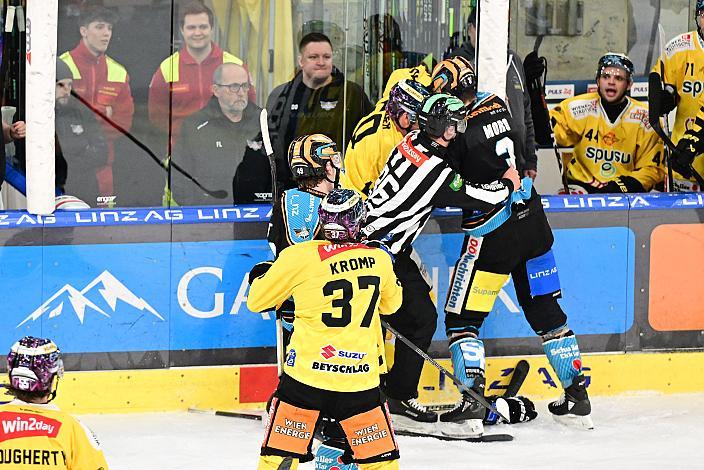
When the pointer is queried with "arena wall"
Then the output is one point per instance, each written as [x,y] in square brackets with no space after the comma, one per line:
[149,305]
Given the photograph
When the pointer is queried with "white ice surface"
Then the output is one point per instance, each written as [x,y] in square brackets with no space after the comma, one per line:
[644,431]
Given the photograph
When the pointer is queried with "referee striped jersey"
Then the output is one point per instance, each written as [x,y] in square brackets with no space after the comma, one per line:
[415,179]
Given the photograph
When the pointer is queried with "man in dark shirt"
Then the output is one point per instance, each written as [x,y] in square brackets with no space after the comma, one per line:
[317,101]
[81,148]
[221,146]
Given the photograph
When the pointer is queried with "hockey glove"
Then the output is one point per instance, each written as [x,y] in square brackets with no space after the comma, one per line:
[669,98]
[622,184]
[682,157]
[259,270]
[534,66]
[518,410]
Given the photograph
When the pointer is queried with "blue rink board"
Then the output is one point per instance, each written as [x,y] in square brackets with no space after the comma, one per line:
[163,296]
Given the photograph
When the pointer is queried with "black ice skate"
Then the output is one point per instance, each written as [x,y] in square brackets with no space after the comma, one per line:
[409,415]
[466,419]
[573,408]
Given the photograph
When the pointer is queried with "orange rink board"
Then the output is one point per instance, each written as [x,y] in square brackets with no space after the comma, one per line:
[676,300]
[248,387]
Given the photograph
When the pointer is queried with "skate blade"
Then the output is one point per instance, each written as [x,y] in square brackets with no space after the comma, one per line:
[402,423]
[575,421]
[462,429]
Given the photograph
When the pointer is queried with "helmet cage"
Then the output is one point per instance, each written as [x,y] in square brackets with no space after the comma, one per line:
[342,214]
[32,364]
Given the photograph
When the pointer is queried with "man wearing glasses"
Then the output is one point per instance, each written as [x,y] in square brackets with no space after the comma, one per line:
[614,149]
[221,146]
[188,71]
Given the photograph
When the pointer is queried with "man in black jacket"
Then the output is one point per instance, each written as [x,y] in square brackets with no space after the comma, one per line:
[221,146]
[317,101]
[81,149]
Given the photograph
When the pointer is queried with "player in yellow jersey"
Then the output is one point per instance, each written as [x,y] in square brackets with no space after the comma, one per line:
[339,287]
[682,71]
[614,148]
[689,147]
[376,135]
[35,433]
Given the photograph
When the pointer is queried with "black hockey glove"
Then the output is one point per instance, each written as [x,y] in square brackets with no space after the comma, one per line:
[517,409]
[534,66]
[623,184]
[669,98]
[682,157]
[259,270]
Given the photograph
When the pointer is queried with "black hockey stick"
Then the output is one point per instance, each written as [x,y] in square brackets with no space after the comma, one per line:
[520,372]
[540,93]
[463,388]
[216,193]
[253,415]
[266,139]
[654,113]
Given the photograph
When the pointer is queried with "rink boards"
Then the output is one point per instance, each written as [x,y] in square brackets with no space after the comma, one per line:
[248,387]
[155,292]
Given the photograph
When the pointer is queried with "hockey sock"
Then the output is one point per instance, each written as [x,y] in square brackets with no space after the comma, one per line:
[468,359]
[565,359]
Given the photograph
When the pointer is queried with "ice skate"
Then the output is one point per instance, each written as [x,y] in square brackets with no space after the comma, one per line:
[573,408]
[464,420]
[410,415]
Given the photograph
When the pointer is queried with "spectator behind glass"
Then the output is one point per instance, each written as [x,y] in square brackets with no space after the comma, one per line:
[517,99]
[614,148]
[312,103]
[221,146]
[189,71]
[81,149]
[104,83]
[41,429]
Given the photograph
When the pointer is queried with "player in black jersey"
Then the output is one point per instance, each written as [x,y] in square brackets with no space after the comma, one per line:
[415,179]
[516,241]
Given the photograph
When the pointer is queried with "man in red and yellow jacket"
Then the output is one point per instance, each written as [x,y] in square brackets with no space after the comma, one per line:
[104,83]
[188,71]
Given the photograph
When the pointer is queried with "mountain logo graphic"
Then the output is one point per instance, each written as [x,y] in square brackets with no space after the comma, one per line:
[110,289]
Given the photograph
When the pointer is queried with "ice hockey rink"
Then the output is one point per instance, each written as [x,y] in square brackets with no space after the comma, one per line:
[641,431]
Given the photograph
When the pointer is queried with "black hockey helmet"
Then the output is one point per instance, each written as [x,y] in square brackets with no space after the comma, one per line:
[406,96]
[699,9]
[441,111]
[308,154]
[615,59]
[454,76]
[342,214]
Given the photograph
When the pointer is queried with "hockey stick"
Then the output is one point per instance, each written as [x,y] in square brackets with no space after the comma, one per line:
[654,112]
[553,140]
[666,128]
[255,416]
[264,126]
[463,388]
[520,372]
[216,193]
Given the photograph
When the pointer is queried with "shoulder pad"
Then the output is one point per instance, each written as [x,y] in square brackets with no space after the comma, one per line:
[683,42]
[581,108]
